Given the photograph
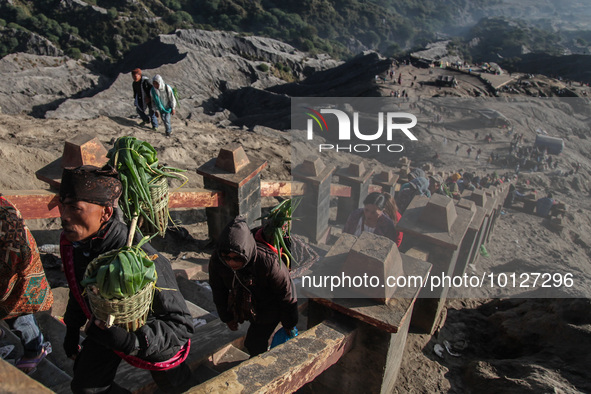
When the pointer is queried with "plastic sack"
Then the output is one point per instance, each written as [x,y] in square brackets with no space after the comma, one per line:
[281,336]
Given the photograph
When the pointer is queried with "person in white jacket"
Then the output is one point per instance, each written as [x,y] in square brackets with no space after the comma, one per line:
[163,102]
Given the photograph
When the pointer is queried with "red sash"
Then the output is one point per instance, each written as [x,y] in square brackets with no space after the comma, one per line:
[259,238]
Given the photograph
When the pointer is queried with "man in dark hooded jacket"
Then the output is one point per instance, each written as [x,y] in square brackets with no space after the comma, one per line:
[250,283]
[88,197]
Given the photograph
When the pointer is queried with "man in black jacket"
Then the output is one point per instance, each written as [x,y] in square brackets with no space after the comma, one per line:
[250,283]
[88,198]
[142,99]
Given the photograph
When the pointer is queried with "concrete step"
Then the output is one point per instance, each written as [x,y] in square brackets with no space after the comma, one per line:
[210,339]
[197,294]
[199,313]
[47,373]
[203,373]
[190,269]
[226,358]
[14,381]
[63,388]
[54,331]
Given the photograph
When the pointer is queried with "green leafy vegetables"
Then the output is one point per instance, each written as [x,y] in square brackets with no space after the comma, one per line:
[139,172]
[121,273]
[277,228]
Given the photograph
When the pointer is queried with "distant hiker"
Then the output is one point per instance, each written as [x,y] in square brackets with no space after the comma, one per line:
[142,99]
[163,101]
[544,205]
[468,151]
[250,283]
[478,152]
[24,289]
[457,149]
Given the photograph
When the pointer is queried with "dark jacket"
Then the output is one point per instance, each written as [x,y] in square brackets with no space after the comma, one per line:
[169,324]
[384,227]
[264,276]
[141,92]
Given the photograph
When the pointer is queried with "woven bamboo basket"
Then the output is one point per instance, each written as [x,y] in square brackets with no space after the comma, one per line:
[129,313]
[160,196]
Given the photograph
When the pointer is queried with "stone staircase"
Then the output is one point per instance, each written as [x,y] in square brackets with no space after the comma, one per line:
[214,348]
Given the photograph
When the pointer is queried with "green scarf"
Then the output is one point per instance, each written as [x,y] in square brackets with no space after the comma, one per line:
[158,102]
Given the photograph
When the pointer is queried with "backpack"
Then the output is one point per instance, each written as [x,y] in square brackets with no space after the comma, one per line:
[175,93]
[146,84]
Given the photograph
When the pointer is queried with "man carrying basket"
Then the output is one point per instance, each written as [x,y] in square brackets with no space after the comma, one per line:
[88,197]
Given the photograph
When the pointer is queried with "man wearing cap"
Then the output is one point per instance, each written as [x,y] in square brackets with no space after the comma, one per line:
[142,99]
[436,185]
[88,201]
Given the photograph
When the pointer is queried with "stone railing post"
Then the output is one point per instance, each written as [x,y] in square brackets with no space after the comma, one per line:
[357,176]
[482,200]
[238,178]
[81,150]
[470,246]
[404,167]
[436,225]
[381,319]
[494,193]
[387,180]
[313,211]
